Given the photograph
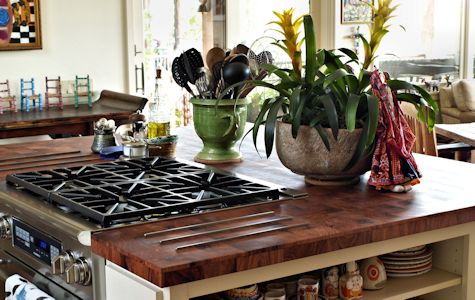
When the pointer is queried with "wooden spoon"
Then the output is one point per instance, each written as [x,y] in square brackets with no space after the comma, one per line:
[240,49]
[242,58]
[214,56]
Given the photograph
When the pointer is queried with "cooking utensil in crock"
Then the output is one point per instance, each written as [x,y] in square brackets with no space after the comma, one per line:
[214,56]
[192,61]
[203,83]
[180,76]
[235,72]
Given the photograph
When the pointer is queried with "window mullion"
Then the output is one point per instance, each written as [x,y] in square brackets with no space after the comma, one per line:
[466,62]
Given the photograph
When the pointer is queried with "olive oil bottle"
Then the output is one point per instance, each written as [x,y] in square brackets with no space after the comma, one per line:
[159,121]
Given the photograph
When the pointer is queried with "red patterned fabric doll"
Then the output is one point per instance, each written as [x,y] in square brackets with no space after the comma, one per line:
[393,167]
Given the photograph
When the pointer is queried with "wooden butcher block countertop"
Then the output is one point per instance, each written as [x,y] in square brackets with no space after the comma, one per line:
[45,155]
[337,218]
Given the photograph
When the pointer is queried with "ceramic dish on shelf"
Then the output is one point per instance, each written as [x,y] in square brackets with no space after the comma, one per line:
[412,249]
[408,253]
[388,262]
[408,274]
[250,292]
[408,262]
[411,269]
[391,256]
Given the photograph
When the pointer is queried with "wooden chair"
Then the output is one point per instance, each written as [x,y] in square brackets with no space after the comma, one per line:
[27,88]
[53,90]
[82,87]
[6,97]
[426,141]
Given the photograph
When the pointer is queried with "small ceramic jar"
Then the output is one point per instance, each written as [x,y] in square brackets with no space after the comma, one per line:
[330,277]
[274,295]
[275,286]
[351,283]
[307,289]
[374,273]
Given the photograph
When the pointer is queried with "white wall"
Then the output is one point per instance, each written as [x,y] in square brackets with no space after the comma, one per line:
[79,37]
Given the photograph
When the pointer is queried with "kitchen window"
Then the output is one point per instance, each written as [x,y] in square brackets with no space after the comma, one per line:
[470,39]
[437,41]
[429,46]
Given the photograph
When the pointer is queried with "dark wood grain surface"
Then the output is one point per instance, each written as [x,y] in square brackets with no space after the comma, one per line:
[337,218]
[44,155]
[70,120]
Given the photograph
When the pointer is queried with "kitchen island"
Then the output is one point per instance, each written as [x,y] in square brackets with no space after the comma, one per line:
[335,225]
[70,120]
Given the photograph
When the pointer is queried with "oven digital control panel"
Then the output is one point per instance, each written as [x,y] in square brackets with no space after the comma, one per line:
[33,241]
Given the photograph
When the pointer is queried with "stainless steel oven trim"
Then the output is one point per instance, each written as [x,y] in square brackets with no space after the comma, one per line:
[64,228]
[10,265]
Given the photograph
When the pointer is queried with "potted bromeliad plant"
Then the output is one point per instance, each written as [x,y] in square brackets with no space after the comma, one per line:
[325,116]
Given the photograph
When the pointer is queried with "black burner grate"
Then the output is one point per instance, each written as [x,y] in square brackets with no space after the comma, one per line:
[115,192]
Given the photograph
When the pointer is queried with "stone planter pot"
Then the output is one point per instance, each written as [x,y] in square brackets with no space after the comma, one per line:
[219,127]
[307,155]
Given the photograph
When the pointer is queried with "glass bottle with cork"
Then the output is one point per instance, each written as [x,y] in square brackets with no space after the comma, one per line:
[159,121]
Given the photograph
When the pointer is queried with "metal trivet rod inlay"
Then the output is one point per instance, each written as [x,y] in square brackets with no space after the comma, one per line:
[267,213]
[192,235]
[240,236]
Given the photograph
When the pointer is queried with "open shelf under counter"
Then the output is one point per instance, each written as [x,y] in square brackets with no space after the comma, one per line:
[408,287]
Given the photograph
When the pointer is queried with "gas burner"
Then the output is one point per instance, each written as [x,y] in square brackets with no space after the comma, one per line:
[125,191]
[210,207]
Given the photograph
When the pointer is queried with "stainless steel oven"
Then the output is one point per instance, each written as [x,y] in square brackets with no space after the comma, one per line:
[48,248]
[10,265]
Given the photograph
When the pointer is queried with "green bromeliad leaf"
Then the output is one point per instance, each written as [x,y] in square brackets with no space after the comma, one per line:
[360,147]
[334,76]
[321,131]
[311,50]
[373,117]
[297,104]
[271,69]
[332,114]
[350,112]
[269,127]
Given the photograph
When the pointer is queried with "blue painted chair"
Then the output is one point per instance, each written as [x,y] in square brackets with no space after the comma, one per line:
[27,93]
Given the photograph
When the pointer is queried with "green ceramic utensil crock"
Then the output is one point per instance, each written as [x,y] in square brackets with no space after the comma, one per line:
[219,124]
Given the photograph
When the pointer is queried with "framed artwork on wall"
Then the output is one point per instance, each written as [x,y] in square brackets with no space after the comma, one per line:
[356,11]
[20,24]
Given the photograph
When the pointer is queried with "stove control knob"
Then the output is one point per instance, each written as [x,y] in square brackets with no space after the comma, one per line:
[5,227]
[79,272]
[60,263]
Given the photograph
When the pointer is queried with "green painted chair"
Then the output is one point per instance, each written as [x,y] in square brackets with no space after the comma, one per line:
[82,88]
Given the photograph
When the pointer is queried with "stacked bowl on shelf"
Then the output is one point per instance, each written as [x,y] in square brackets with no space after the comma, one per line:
[408,262]
[250,292]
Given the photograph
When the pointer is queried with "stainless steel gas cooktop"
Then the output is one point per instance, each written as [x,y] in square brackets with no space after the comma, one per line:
[132,190]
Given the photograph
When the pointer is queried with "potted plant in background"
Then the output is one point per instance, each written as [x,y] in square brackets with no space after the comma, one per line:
[324,118]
